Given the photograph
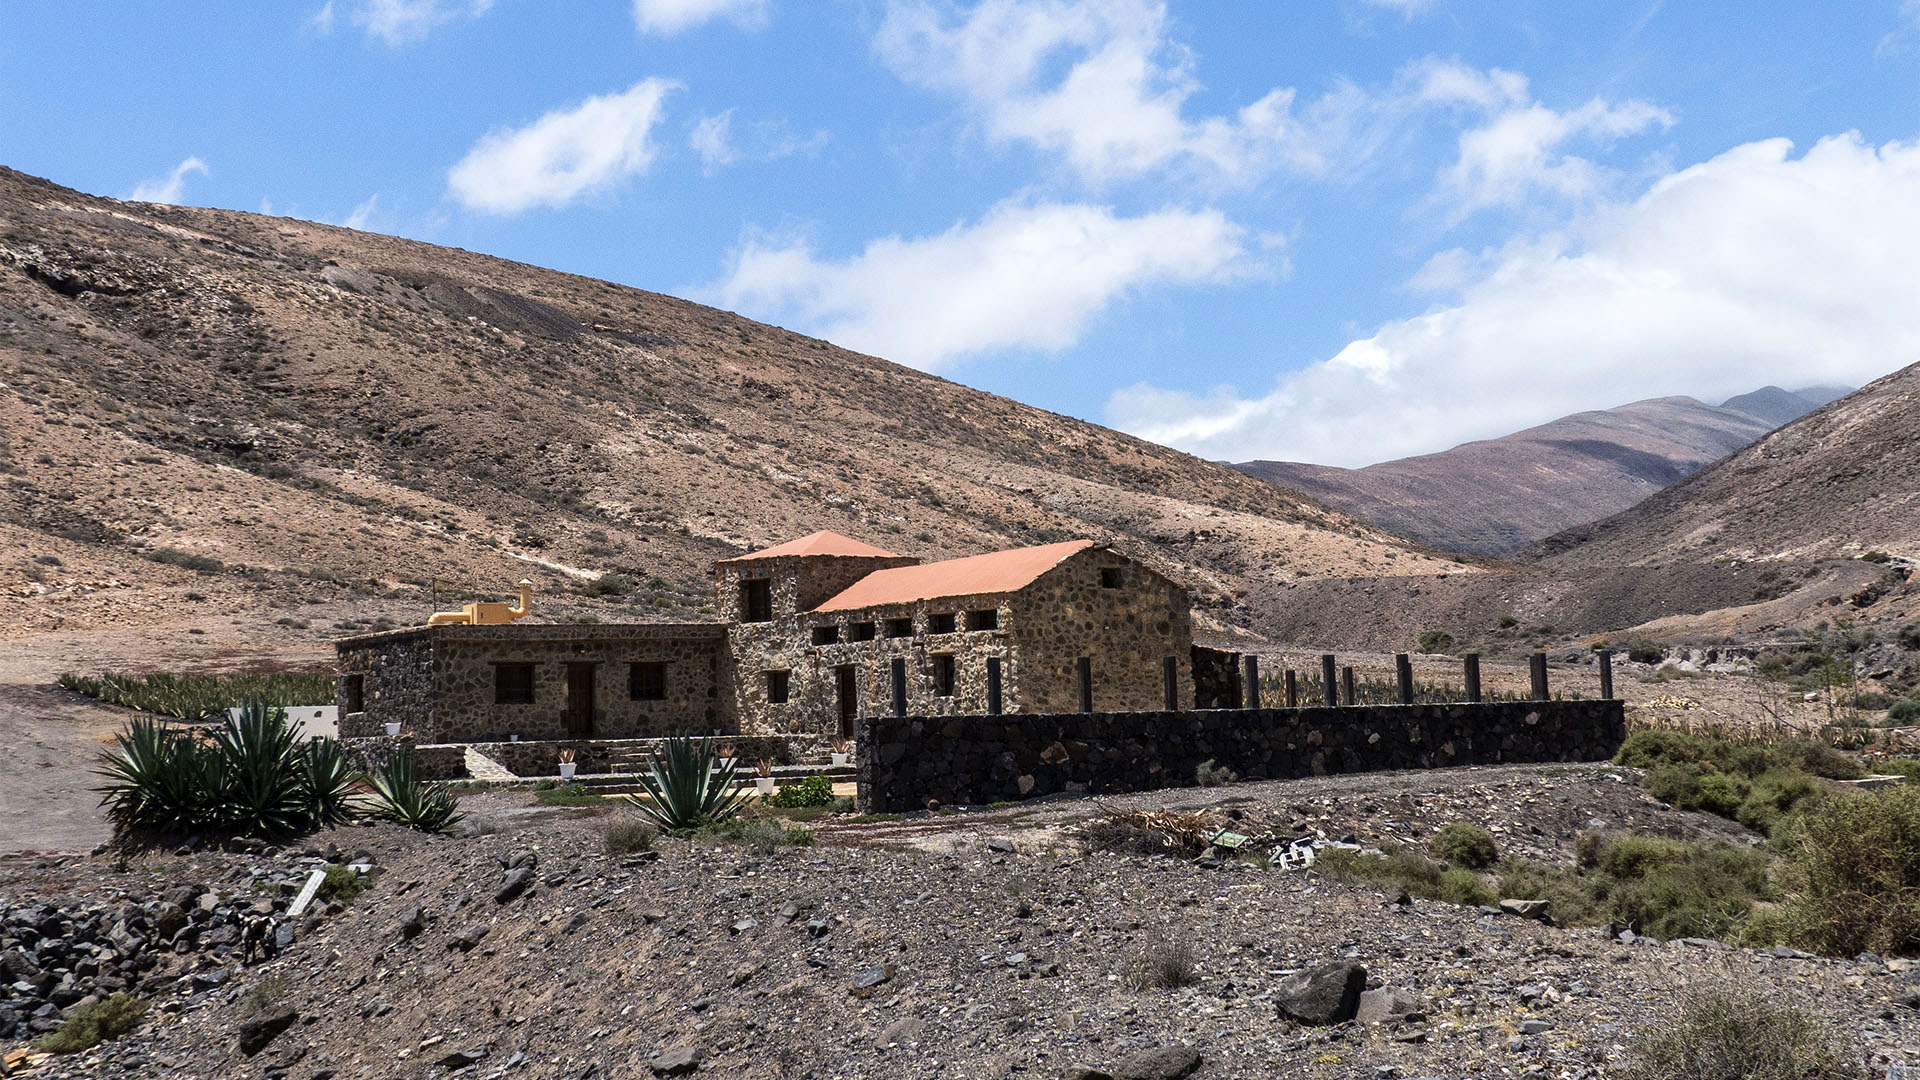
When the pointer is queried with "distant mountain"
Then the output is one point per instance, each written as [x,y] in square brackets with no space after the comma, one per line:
[1842,480]
[1777,406]
[1498,495]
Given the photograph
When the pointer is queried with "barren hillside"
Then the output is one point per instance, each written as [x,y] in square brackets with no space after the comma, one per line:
[206,407]
[1497,495]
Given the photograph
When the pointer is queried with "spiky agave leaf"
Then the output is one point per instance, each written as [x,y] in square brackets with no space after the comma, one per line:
[328,783]
[687,788]
[401,796]
[266,789]
[156,780]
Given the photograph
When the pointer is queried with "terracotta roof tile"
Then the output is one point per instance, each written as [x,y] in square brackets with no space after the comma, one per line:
[820,543]
[995,572]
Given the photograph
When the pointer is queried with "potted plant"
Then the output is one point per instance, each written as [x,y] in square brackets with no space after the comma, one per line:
[393,729]
[726,755]
[839,752]
[566,765]
[763,779]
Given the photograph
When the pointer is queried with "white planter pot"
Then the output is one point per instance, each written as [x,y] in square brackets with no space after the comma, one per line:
[764,784]
[393,730]
[839,759]
[566,770]
[513,738]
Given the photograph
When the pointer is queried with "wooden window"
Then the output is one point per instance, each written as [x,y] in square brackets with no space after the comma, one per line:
[940,622]
[985,619]
[353,694]
[756,600]
[777,684]
[900,627]
[647,681]
[826,635]
[1112,577]
[861,631]
[943,674]
[513,684]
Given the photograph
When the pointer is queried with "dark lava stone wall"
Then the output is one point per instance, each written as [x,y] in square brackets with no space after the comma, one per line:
[396,677]
[906,761]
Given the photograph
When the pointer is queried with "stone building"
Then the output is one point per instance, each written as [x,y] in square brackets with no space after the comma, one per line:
[811,634]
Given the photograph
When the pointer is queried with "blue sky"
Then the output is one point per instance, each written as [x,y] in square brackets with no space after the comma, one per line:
[1334,231]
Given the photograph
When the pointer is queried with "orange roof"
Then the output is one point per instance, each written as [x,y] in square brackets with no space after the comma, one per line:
[820,543]
[995,572]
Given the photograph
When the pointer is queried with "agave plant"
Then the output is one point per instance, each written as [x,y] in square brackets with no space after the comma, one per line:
[158,780]
[329,783]
[687,788]
[402,797]
[266,791]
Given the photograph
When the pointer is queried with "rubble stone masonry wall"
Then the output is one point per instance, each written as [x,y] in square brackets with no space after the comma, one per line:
[1124,618]
[906,761]
[395,671]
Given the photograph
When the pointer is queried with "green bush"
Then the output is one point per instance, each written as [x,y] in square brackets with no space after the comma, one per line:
[1435,641]
[341,884]
[1737,1032]
[1854,873]
[761,834]
[687,787]
[1403,869]
[1909,636]
[1706,893]
[1905,712]
[566,795]
[1576,900]
[402,797]
[1776,793]
[1635,855]
[1676,785]
[1463,887]
[626,836]
[813,791]
[86,1028]
[1721,793]
[1907,767]
[1465,844]
[253,777]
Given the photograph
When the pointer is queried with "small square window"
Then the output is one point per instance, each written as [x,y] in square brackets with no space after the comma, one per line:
[899,627]
[777,683]
[513,684]
[756,600]
[826,635]
[940,622]
[861,631]
[647,682]
[943,674]
[986,619]
[1112,577]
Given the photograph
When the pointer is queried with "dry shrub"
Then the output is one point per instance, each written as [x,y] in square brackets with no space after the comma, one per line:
[1163,964]
[1150,832]
[1735,1032]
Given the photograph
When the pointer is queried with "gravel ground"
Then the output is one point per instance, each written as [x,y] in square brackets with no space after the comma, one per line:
[967,945]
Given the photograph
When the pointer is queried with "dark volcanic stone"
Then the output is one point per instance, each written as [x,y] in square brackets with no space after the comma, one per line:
[1163,1063]
[513,884]
[676,1062]
[257,1032]
[1327,994]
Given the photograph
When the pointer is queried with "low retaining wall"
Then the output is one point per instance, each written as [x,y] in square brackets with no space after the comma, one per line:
[442,761]
[906,761]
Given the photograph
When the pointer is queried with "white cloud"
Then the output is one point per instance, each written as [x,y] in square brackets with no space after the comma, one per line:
[1024,276]
[362,214]
[718,144]
[1755,267]
[1103,84]
[396,22]
[169,188]
[564,154]
[673,16]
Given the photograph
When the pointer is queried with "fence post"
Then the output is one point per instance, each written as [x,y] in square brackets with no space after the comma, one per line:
[1606,674]
[1538,662]
[899,686]
[1473,677]
[1252,695]
[1086,684]
[1346,685]
[993,686]
[1327,686]
[1170,674]
[1403,670]
[1293,690]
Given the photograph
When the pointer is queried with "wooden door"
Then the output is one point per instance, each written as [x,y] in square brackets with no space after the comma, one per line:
[849,698]
[580,699]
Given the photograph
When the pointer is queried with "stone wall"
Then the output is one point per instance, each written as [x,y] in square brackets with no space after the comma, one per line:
[395,670]
[904,762]
[438,683]
[542,758]
[1126,631]
[370,753]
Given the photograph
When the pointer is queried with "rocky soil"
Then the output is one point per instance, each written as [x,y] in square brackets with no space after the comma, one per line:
[986,944]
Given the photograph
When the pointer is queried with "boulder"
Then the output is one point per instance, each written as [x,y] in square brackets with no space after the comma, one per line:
[258,1031]
[1161,1063]
[1326,994]
[679,1061]
[513,884]
[1388,1004]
